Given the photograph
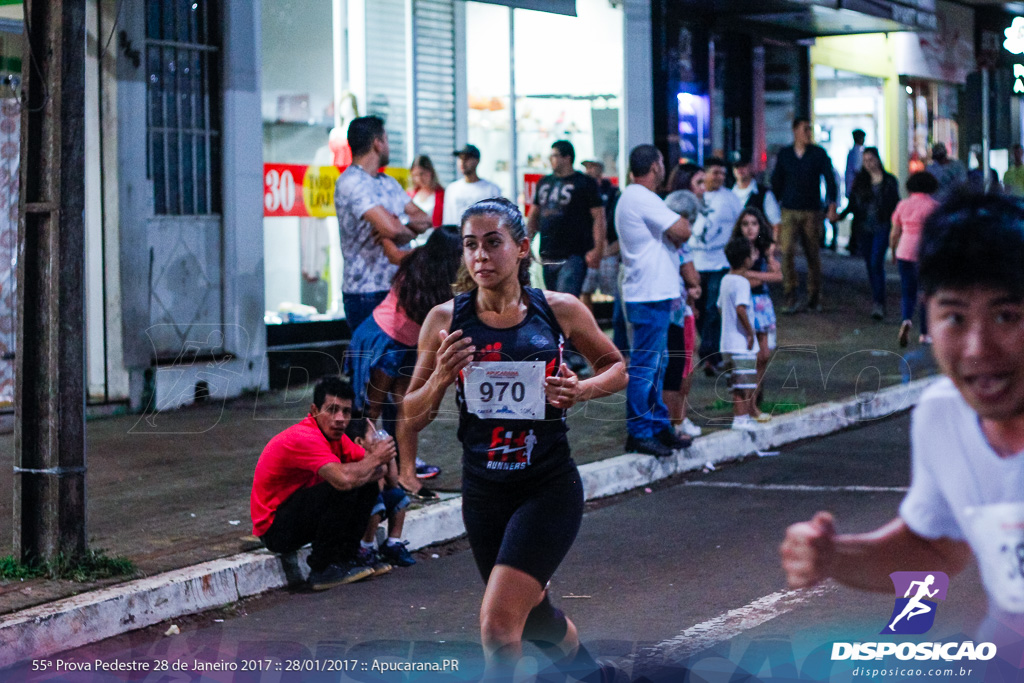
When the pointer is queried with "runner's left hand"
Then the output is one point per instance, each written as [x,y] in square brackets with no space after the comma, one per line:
[563,390]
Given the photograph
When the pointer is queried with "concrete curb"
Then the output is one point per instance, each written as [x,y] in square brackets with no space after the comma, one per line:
[48,629]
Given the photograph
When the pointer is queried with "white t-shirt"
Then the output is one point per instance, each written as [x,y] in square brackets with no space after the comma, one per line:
[709,243]
[961,489]
[460,195]
[735,291]
[651,262]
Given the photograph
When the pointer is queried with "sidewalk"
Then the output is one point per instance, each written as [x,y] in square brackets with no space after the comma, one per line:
[172,490]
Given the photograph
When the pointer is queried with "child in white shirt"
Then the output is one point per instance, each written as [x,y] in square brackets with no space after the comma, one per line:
[739,343]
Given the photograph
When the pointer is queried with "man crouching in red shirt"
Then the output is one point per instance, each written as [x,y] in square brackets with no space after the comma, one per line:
[313,485]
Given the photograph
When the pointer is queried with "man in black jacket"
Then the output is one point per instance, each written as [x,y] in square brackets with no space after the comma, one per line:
[796,182]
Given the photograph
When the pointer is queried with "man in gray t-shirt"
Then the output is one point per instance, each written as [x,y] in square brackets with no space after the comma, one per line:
[371,206]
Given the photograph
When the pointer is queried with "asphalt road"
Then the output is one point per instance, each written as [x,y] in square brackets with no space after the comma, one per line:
[678,583]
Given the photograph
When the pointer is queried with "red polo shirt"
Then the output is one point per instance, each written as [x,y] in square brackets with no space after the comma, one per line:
[290,462]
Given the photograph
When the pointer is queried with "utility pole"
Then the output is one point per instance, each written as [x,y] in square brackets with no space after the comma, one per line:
[49,432]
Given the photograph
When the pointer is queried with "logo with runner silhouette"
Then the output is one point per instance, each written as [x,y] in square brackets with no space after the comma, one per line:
[917,596]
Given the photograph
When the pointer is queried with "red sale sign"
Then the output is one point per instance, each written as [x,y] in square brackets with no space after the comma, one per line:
[306,191]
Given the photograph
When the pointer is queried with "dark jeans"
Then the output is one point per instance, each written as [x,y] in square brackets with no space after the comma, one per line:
[566,275]
[359,307]
[332,520]
[873,248]
[908,291]
[710,323]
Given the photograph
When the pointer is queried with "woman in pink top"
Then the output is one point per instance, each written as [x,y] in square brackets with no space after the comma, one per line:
[907,222]
[382,353]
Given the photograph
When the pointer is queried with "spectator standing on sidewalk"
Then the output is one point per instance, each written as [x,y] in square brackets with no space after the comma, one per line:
[606,278]
[313,485]
[876,192]
[708,247]
[371,206]
[426,191]
[752,195]
[950,173]
[568,213]
[649,235]
[467,190]
[796,182]
[1013,179]
[907,225]
[966,492]
[854,160]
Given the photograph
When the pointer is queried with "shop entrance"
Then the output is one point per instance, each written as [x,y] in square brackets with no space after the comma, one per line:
[843,102]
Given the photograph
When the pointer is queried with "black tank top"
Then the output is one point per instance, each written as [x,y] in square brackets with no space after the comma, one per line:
[498,449]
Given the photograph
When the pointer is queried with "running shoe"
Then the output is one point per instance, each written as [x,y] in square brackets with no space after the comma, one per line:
[425,471]
[763,418]
[335,575]
[369,557]
[687,427]
[398,554]
[878,311]
[742,423]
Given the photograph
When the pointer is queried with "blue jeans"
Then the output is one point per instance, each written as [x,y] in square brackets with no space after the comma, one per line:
[646,414]
[710,317]
[908,292]
[359,306]
[566,275]
[873,247]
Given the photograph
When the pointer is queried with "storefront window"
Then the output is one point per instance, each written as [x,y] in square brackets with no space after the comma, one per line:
[568,85]
[843,102]
[931,112]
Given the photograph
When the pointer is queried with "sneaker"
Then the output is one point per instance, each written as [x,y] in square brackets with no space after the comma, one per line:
[335,575]
[397,554]
[903,338]
[814,304]
[369,557]
[425,471]
[647,446]
[790,307]
[687,427]
[673,439]
[763,418]
[742,423]
[878,311]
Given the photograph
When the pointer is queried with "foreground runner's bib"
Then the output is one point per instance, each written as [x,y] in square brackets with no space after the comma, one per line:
[505,389]
[997,535]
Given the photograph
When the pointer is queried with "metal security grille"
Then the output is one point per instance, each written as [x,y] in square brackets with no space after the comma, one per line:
[182,117]
[434,83]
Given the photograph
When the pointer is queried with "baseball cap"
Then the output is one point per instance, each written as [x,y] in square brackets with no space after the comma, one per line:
[468,150]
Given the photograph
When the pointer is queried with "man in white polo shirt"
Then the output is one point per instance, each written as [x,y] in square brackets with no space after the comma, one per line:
[649,234]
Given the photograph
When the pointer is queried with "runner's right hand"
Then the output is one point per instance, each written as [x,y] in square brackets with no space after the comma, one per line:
[454,353]
[808,551]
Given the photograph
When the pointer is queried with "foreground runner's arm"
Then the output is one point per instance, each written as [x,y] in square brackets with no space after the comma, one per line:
[812,552]
[441,356]
[566,389]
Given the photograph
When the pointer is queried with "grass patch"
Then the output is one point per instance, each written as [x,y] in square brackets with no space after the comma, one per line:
[770,407]
[92,566]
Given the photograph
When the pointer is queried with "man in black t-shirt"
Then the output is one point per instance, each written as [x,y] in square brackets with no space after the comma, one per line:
[569,214]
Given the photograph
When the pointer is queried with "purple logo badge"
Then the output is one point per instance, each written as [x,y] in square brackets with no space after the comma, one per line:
[917,594]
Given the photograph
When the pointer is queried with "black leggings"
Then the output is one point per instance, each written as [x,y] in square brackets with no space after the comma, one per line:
[528,525]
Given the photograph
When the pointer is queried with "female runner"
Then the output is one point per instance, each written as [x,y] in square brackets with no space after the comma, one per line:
[522,498]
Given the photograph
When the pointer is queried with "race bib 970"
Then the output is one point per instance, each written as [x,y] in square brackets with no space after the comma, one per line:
[505,389]
[997,535]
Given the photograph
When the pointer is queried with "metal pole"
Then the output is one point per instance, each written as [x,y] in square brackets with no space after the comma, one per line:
[985,128]
[49,432]
[512,101]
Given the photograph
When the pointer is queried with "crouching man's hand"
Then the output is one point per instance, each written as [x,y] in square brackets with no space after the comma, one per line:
[808,551]
[381,452]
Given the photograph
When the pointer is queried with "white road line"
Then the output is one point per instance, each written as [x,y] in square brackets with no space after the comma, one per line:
[731,624]
[797,487]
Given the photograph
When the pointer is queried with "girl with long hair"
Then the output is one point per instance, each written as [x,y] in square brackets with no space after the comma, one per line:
[385,343]
[425,190]
[500,341]
[753,226]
